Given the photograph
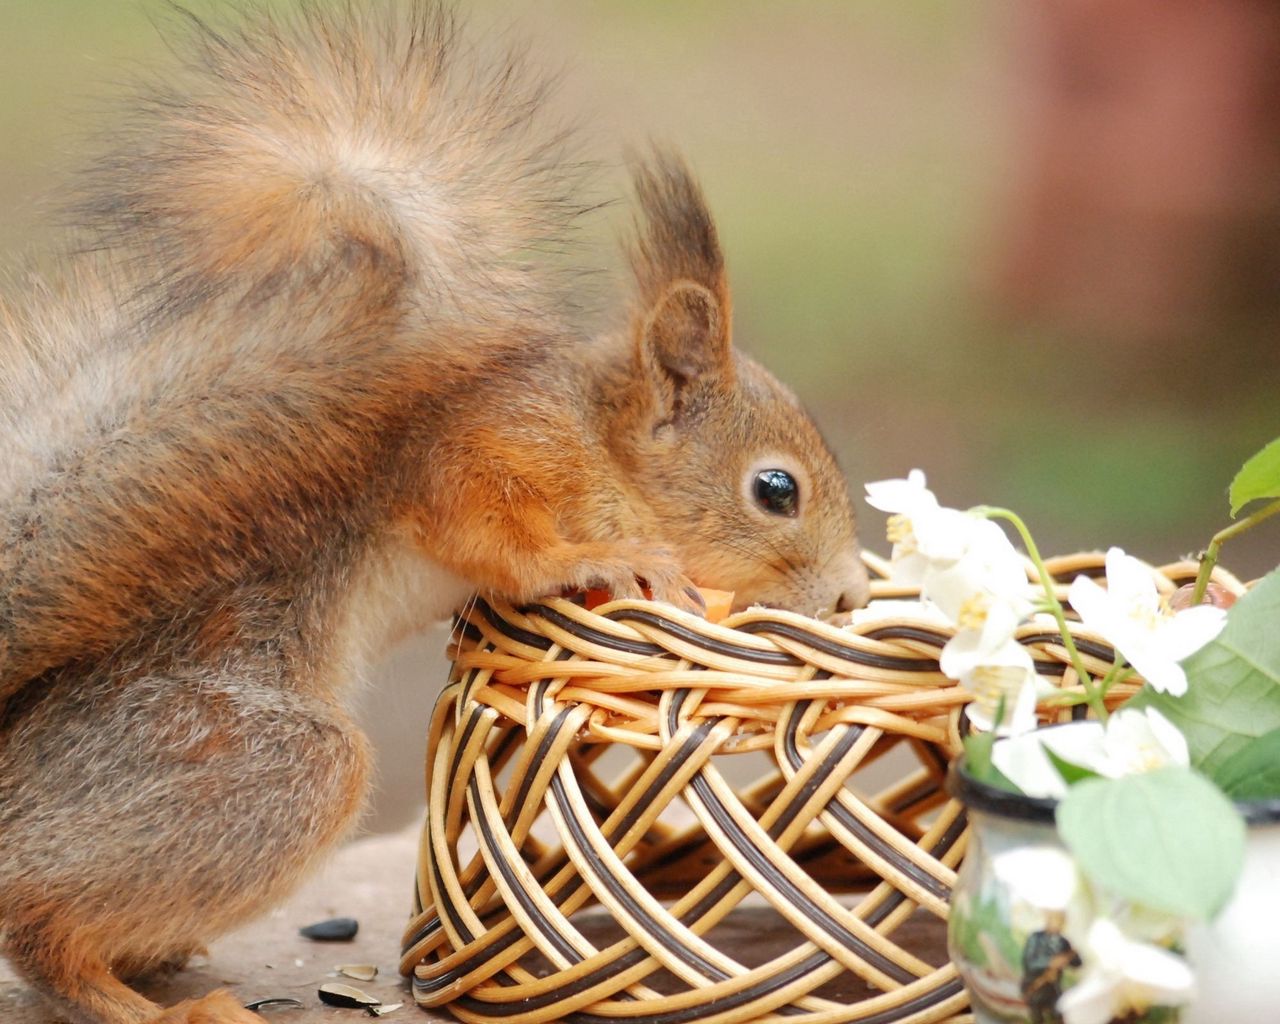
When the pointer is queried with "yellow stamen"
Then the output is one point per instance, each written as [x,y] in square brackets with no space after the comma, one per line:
[973,613]
[900,532]
[991,683]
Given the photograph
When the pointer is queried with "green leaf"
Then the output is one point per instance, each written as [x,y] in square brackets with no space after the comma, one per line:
[982,930]
[1253,771]
[993,922]
[1167,840]
[1258,478]
[978,763]
[1071,773]
[1233,682]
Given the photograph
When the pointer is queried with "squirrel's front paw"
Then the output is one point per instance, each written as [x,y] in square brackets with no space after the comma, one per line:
[665,582]
[630,573]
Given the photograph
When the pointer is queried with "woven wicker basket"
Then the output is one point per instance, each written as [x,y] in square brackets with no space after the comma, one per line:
[582,759]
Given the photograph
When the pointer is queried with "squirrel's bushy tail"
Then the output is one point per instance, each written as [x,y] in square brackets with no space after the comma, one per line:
[354,151]
[281,226]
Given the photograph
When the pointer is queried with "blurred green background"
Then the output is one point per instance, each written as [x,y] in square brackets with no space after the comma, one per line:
[876,169]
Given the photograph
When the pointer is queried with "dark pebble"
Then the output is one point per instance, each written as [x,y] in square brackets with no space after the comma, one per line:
[336,929]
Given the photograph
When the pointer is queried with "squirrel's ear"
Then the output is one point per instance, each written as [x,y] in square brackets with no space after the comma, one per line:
[682,322]
[684,335]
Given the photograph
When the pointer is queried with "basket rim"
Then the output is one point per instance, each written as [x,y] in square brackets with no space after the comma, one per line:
[982,796]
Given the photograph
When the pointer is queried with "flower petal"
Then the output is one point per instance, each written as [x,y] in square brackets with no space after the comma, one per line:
[901,495]
[1004,675]
[1157,977]
[1092,603]
[1169,736]
[942,534]
[1143,975]
[961,654]
[1091,1000]
[1023,761]
[1137,741]
[1077,743]
[1130,583]
[908,568]
[1019,715]
[1190,629]
[1044,876]
[1163,674]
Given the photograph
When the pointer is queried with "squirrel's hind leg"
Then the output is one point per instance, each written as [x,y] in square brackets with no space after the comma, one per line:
[76,979]
[132,968]
[140,819]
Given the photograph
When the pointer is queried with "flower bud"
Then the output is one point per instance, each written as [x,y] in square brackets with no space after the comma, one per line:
[1215,594]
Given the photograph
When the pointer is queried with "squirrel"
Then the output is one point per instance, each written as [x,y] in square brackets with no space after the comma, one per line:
[308,378]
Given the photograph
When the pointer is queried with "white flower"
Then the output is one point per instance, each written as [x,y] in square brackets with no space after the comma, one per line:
[899,495]
[923,533]
[995,672]
[1023,761]
[963,563]
[1140,741]
[986,588]
[1129,615]
[1122,976]
[1133,741]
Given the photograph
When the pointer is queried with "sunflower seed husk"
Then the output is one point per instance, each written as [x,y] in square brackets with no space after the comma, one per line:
[334,994]
[336,929]
[361,972]
[275,1003]
[382,1011]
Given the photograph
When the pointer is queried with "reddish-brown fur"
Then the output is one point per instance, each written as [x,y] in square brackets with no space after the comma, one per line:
[317,339]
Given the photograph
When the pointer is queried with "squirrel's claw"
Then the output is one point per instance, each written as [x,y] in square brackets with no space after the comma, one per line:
[665,582]
[695,596]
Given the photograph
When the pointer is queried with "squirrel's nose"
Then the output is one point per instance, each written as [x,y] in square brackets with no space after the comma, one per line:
[850,600]
[857,589]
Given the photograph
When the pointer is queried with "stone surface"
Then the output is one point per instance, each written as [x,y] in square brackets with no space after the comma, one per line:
[370,879]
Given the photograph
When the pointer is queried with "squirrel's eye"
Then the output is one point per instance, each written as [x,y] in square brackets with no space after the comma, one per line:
[776,491]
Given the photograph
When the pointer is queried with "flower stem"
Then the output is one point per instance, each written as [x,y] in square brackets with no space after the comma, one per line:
[1210,556]
[1118,672]
[1093,694]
